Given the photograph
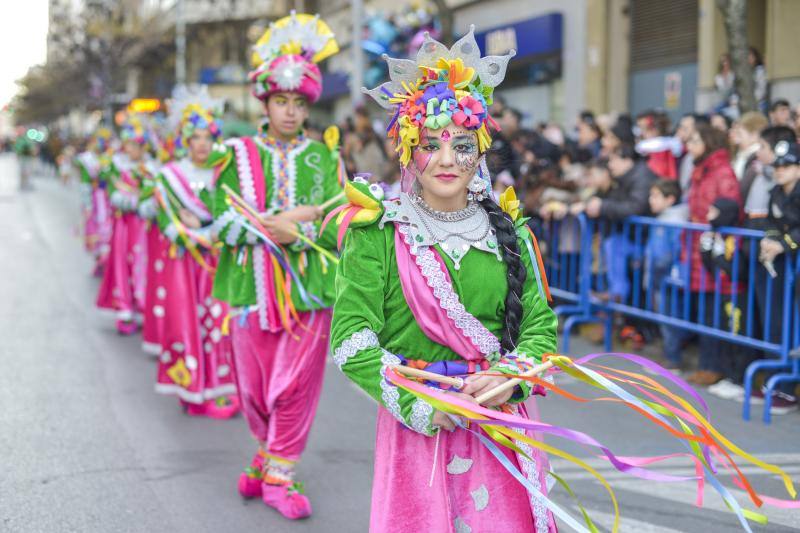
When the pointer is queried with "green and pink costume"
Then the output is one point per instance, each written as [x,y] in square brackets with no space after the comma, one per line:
[279,356]
[403,299]
[194,363]
[123,286]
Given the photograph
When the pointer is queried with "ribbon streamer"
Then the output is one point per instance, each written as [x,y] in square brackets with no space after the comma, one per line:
[190,239]
[657,404]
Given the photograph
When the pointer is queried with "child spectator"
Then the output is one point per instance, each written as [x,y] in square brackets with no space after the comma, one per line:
[661,253]
[657,145]
[629,191]
[721,122]
[783,235]
[663,242]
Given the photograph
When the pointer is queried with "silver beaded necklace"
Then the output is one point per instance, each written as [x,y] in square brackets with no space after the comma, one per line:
[455,232]
[444,225]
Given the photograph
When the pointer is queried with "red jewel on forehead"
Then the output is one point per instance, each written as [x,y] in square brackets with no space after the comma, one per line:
[445,135]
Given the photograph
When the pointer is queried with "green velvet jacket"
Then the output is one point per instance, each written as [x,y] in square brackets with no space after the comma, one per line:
[302,173]
[372,321]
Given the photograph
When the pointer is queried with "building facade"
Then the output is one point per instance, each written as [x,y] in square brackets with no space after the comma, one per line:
[603,55]
[649,53]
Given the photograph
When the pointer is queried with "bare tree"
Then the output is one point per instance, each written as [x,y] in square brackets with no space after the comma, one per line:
[97,47]
[734,12]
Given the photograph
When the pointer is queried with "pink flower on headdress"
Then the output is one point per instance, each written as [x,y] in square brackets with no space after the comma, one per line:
[417,114]
[414,108]
[469,113]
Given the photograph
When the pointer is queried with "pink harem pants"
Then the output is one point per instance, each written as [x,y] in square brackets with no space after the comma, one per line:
[279,378]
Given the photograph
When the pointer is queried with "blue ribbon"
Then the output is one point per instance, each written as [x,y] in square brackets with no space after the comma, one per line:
[519,476]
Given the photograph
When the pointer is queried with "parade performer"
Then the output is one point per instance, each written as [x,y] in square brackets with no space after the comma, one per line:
[157,249]
[97,215]
[441,315]
[194,363]
[274,268]
[123,284]
[438,279]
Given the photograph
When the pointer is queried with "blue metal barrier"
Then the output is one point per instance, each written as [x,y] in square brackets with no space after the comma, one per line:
[567,280]
[620,269]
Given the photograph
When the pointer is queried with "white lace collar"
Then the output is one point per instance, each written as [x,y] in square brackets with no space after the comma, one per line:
[199,178]
[455,238]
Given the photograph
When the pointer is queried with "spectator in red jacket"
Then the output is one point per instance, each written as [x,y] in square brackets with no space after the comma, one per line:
[713,178]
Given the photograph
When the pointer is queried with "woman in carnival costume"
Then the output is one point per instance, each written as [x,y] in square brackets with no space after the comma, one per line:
[194,363]
[274,268]
[157,250]
[123,285]
[97,217]
[440,279]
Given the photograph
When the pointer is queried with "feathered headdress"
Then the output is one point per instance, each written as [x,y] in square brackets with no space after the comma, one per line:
[440,87]
[192,109]
[284,58]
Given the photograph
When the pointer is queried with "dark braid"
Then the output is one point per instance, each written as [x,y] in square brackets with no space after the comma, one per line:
[516,273]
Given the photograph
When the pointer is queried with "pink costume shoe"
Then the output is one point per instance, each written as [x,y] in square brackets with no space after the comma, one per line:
[222,408]
[127,327]
[287,498]
[194,409]
[250,479]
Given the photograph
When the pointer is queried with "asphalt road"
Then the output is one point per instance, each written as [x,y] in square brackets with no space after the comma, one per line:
[87,446]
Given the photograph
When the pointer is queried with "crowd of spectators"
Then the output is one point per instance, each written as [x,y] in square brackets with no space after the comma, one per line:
[704,168]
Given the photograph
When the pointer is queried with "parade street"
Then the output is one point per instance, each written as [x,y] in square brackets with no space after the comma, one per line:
[88,446]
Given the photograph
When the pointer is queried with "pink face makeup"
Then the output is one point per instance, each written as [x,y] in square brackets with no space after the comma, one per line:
[422,157]
[445,136]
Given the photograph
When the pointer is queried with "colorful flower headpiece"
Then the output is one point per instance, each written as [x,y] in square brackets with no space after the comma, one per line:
[192,109]
[440,87]
[135,129]
[284,58]
[102,139]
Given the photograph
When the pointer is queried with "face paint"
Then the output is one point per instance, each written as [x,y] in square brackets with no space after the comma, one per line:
[423,153]
[445,136]
[466,151]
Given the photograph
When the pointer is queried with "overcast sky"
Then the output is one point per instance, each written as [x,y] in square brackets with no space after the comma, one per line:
[23,42]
